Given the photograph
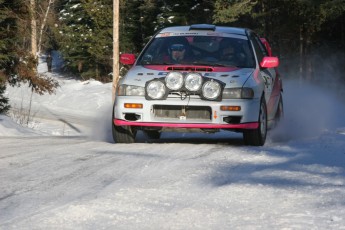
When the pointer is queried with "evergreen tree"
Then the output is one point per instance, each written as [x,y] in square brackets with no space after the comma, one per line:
[84,33]
[131,26]
[8,39]
[17,63]
[9,36]
[293,26]
[4,106]
[142,18]
[176,12]
[100,44]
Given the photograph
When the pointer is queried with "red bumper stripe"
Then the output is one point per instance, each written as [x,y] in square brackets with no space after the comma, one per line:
[252,125]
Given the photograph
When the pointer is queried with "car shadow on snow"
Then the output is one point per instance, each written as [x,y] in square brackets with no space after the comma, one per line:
[222,138]
[310,164]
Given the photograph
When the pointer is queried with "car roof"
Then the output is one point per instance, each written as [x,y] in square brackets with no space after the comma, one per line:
[206,27]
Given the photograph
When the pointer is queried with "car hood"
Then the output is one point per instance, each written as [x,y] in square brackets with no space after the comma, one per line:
[231,76]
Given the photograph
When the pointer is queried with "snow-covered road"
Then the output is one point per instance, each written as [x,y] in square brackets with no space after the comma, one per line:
[77,183]
[66,173]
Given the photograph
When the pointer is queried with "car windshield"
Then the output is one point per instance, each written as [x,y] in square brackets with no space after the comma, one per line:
[198,50]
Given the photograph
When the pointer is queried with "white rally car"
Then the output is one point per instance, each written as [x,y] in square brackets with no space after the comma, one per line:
[201,78]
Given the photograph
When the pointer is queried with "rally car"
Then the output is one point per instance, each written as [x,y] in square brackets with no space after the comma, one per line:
[201,77]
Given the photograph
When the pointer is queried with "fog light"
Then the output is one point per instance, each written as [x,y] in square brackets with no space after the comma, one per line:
[211,90]
[174,80]
[193,81]
[155,89]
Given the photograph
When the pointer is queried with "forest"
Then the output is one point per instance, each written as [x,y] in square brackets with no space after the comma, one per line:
[307,35]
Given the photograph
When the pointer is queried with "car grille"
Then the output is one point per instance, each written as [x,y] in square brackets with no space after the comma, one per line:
[186,112]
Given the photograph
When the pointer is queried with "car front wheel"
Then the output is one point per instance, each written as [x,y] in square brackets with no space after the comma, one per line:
[257,137]
[123,134]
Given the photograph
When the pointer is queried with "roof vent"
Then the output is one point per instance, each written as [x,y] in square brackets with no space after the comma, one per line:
[202,27]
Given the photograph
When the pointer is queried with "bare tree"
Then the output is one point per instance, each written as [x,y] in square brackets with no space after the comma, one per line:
[32,11]
[43,24]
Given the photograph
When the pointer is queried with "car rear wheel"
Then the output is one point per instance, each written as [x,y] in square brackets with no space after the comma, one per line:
[257,137]
[280,111]
[123,134]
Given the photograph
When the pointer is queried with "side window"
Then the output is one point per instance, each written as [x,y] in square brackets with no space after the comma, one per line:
[262,46]
[260,49]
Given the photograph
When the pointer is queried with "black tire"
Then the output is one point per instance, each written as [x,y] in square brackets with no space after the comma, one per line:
[152,134]
[257,137]
[123,134]
[280,112]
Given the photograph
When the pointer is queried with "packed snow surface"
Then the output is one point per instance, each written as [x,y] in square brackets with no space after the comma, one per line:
[61,170]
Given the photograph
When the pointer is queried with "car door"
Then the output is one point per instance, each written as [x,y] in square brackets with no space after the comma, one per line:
[269,77]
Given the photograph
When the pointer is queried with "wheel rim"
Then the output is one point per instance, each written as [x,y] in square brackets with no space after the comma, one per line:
[263,121]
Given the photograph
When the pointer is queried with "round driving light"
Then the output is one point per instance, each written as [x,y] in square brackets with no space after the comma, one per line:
[174,80]
[155,89]
[193,81]
[211,90]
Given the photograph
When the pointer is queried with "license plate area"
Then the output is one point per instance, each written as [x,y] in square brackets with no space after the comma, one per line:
[182,112]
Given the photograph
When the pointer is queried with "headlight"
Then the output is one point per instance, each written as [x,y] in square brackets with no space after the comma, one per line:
[130,90]
[211,90]
[234,93]
[174,80]
[238,93]
[155,89]
[193,81]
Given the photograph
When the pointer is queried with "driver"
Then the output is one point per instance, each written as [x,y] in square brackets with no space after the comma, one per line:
[177,52]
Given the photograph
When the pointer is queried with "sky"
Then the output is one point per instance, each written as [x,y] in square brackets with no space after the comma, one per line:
[61,170]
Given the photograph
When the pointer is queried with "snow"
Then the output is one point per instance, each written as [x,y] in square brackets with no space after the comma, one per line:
[62,171]
[75,6]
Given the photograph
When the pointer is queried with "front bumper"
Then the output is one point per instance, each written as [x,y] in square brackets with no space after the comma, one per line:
[252,125]
[178,117]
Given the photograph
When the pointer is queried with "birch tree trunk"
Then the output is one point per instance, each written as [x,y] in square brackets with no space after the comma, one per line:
[32,10]
[33,28]
[44,22]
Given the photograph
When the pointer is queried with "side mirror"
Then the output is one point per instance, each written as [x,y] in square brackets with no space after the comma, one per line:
[269,62]
[127,59]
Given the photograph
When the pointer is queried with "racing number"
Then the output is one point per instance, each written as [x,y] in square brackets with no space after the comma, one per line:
[269,82]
